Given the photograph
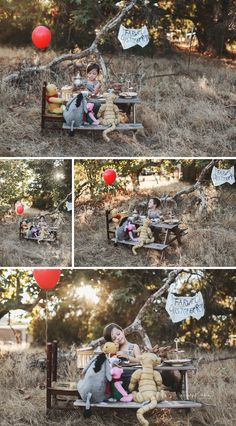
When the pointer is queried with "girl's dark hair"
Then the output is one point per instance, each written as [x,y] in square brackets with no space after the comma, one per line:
[108,329]
[156,201]
[93,66]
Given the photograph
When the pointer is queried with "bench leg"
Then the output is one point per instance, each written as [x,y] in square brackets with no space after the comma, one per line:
[188,416]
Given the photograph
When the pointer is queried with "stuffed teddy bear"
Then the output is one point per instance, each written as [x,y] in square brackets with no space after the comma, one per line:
[90,118]
[110,348]
[117,390]
[54,103]
[149,383]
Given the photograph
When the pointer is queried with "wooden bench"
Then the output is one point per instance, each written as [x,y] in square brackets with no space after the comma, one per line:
[170,404]
[58,119]
[69,389]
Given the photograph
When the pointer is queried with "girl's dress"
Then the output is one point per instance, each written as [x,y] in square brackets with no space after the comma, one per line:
[91,86]
[153,214]
[127,373]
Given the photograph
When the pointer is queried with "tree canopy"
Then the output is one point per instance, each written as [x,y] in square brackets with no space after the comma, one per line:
[74,22]
[88,173]
[41,183]
[84,301]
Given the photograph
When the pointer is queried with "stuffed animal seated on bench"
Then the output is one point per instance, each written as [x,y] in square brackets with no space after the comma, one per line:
[54,103]
[74,112]
[145,235]
[92,388]
[149,384]
[109,114]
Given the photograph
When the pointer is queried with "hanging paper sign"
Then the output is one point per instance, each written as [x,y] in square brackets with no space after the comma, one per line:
[129,37]
[221,176]
[68,206]
[180,308]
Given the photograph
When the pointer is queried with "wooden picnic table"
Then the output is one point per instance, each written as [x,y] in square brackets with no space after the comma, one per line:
[168,228]
[128,105]
[183,369]
[69,389]
[156,227]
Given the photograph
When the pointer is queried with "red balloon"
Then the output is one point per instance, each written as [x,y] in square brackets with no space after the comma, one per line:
[46,278]
[20,208]
[109,176]
[41,37]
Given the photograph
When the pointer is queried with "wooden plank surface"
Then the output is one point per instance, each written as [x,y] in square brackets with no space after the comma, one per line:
[160,225]
[135,405]
[154,246]
[128,126]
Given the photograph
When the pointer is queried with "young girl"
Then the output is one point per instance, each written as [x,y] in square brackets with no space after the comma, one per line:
[153,211]
[92,84]
[130,351]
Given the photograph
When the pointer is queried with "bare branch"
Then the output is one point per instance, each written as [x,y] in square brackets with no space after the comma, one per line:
[93,49]
[136,325]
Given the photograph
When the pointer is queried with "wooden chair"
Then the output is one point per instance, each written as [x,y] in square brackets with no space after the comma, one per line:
[55,388]
[47,117]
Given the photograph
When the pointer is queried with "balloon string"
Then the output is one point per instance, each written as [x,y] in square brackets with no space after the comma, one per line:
[46,319]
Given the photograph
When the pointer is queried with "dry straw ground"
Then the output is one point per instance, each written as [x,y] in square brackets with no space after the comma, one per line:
[22,396]
[16,252]
[182,115]
[210,240]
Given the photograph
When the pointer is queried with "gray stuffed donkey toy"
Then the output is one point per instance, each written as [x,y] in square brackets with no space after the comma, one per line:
[74,112]
[92,388]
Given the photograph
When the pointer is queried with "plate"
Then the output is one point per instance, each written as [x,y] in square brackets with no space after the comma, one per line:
[178,362]
[128,94]
[171,221]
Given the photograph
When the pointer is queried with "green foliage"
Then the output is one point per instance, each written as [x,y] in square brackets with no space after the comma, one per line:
[74,22]
[74,317]
[42,183]
[18,19]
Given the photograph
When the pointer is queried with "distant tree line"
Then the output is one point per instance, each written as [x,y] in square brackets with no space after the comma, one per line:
[73,22]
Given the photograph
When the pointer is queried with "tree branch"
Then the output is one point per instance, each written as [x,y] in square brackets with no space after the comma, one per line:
[198,183]
[136,325]
[93,49]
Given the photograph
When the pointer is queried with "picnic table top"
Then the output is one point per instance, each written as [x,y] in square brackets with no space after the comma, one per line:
[160,225]
[119,100]
[164,367]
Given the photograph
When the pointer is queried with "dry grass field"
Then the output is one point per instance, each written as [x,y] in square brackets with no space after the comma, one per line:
[184,115]
[22,395]
[16,252]
[210,240]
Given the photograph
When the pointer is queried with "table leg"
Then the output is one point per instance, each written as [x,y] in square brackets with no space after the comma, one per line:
[165,242]
[186,385]
[177,233]
[134,113]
